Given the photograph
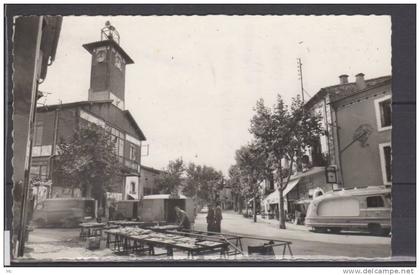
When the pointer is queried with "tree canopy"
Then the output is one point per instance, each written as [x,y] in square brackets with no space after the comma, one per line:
[87,161]
[171,180]
[203,182]
[283,134]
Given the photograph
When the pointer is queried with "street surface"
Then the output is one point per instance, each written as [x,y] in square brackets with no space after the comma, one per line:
[304,242]
[64,243]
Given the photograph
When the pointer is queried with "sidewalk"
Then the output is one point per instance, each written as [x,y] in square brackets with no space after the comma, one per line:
[277,222]
[235,223]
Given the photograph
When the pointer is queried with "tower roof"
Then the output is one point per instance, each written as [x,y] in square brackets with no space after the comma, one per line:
[91,46]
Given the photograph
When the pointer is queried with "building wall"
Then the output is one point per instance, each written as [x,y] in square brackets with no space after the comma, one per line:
[113,116]
[68,122]
[360,162]
[25,50]
[118,76]
[148,180]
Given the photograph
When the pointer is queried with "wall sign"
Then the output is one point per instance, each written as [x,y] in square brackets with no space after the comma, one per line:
[331,174]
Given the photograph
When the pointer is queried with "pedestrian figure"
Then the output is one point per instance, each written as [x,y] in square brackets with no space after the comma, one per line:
[182,218]
[211,222]
[111,210]
[218,218]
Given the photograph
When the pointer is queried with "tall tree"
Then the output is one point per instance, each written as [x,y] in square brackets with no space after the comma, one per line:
[251,163]
[284,133]
[235,182]
[171,180]
[87,161]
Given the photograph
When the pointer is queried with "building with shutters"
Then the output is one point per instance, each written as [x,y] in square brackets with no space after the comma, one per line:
[364,129]
[356,118]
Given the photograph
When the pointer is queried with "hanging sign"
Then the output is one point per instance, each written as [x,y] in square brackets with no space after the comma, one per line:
[331,174]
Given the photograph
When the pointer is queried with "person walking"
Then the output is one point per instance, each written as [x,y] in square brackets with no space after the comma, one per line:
[210,218]
[218,218]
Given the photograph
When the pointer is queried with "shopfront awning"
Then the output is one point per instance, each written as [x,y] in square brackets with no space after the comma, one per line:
[290,186]
[274,196]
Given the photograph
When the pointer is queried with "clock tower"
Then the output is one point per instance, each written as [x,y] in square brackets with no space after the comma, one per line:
[107,76]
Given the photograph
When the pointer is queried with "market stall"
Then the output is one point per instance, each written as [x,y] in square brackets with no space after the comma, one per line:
[125,240]
[161,207]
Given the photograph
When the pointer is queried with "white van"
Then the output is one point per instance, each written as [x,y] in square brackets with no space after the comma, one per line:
[359,208]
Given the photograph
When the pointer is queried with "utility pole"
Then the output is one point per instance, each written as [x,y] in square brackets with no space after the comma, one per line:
[300,72]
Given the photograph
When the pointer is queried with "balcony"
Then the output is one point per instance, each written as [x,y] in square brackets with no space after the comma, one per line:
[132,164]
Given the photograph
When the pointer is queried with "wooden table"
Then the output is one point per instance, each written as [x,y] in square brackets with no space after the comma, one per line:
[164,228]
[127,223]
[235,241]
[91,229]
[125,243]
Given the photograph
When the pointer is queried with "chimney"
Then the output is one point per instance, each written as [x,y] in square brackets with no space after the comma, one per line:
[344,79]
[360,81]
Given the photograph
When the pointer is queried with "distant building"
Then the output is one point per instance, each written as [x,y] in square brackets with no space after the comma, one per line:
[226,197]
[105,107]
[148,176]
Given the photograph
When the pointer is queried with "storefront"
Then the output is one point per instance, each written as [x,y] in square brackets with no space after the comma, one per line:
[299,192]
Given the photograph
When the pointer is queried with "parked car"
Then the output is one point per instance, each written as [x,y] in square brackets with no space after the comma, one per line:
[64,212]
[355,209]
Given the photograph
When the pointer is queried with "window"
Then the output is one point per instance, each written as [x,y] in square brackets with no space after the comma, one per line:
[119,142]
[133,140]
[385,153]
[39,127]
[133,152]
[383,111]
[339,207]
[133,187]
[375,201]
[39,172]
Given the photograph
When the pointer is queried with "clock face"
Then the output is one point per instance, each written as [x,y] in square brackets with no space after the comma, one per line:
[118,62]
[100,56]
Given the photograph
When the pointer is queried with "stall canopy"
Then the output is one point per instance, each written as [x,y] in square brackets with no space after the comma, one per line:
[274,196]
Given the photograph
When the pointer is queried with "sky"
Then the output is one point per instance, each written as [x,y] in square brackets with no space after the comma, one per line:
[196,79]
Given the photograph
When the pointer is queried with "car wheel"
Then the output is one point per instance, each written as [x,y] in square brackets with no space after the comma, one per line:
[335,230]
[375,229]
[386,231]
[320,229]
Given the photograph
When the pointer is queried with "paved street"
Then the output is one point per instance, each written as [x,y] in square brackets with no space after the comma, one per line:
[305,242]
[61,243]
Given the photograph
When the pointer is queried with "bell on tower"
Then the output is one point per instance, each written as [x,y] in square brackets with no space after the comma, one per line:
[107,77]
[109,32]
